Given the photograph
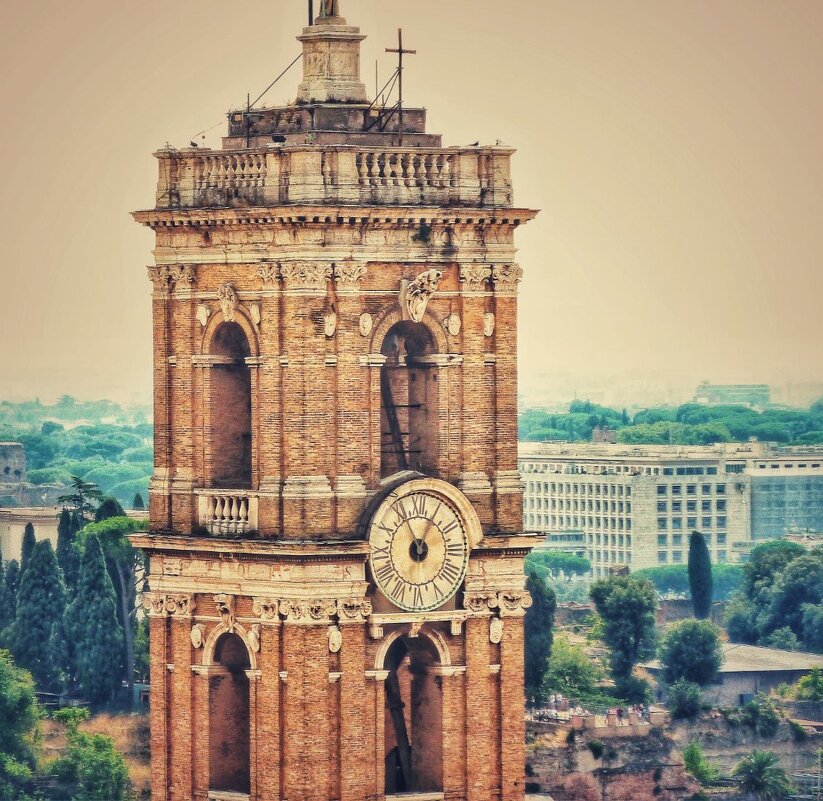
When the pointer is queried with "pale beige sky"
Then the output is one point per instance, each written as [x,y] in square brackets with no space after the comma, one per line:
[674,148]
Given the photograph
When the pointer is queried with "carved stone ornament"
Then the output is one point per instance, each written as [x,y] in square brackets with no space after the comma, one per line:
[254,313]
[329,323]
[453,324]
[306,275]
[508,275]
[348,274]
[488,324]
[475,276]
[253,638]
[203,314]
[495,630]
[366,324]
[516,602]
[480,601]
[228,301]
[266,608]
[335,639]
[225,608]
[182,273]
[164,276]
[159,604]
[355,609]
[268,273]
[197,635]
[420,291]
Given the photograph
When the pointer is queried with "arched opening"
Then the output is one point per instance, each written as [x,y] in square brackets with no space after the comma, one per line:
[230,409]
[229,717]
[414,718]
[408,408]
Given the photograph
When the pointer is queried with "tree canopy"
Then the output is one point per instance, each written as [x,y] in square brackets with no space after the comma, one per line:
[539,624]
[18,733]
[690,650]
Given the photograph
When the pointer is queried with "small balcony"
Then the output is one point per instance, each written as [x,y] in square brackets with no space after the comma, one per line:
[225,511]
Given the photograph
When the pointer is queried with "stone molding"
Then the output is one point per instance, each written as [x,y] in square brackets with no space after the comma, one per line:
[350,487]
[305,276]
[168,604]
[475,277]
[508,482]
[474,483]
[307,487]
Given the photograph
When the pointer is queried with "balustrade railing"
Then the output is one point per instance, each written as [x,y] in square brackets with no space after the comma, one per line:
[340,175]
[227,511]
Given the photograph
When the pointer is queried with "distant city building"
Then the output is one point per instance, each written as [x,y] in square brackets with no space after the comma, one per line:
[637,505]
[605,434]
[787,492]
[755,396]
[571,542]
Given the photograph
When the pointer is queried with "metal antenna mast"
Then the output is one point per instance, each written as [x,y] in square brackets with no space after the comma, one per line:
[400,53]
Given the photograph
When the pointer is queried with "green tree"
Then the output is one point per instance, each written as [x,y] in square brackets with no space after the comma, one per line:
[667,579]
[697,764]
[810,686]
[766,561]
[138,504]
[110,507]
[92,766]
[700,576]
[573,673]
[783,638]
[627,606]
[798,584]
[27,548]
[18,732]
[760,776]
[813,626]
[124,564]
[84,499]
[36,637]
[556,564]
[684,699]
[690,650]
[91,619]
[12,586]
[66,555]
[538,635]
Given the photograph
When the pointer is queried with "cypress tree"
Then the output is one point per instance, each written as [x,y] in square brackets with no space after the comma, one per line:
[29,541]
[539,624]
[700,576]
[138,503]
[110,507]
[12,584]
[6,610]
[91,618]
[67,554]
[34,639]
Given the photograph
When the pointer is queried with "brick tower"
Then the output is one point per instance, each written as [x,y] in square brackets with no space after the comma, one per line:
[336,555]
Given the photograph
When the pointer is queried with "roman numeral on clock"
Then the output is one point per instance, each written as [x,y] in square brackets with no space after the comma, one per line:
[449,572]
[417,600]
[385,572]
[418,503]
[449,527]
[455,549]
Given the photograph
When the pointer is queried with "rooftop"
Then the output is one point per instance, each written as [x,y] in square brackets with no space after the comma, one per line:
[739,658]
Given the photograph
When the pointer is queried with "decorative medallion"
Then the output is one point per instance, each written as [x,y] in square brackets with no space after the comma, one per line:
[203,314]
[329,323]
[228,301]
[366,324]
[253,637]
[420,291]
[453,324]
[495,630]
[488,324]
[254,313]
[335,639]
[196,635]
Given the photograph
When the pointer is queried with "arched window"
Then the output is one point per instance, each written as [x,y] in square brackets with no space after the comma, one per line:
[408,408]
[230,409]
[414,718]
[229,727]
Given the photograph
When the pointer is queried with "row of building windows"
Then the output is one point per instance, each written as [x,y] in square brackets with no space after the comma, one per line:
[559,488]
[691,506]
[691,489]
[611,557]
[576,521]
[561,504]
[677,557]
[676,523]
[678,539]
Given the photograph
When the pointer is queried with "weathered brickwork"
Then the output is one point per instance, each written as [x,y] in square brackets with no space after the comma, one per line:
[333,318]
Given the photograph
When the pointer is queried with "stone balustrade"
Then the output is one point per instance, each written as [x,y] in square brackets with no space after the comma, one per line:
[227,511]
[339,175]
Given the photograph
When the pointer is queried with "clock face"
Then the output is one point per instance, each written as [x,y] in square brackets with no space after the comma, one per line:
[419,550]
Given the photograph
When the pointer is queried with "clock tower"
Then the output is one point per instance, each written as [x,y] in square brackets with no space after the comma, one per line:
[336,551]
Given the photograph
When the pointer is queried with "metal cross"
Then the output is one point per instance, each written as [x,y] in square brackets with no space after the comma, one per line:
[400,53]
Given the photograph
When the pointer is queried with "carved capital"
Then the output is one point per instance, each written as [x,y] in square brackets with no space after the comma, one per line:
[514,603]
[154,603]
[480,601]
[348,275]
[269,273]
[159,604]
[474,277]
[306,276]
[159,277]
[266,608]
[506,277]
[354,610]
[182,273]
[164,277]
[420,291]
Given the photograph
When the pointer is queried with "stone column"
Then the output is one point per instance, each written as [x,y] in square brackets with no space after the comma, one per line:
[352,388]
[200,724]
[269,747]
[452,679]
[478,705]
[376,695]
[512,695]
[507,485]
[307,494]
[255,741]
[158,702]
[478,405]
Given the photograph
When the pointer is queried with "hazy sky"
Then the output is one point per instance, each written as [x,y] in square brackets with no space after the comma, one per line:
[673,147]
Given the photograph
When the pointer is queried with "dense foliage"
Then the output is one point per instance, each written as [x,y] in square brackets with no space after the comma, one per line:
[100,443]
[700,576]
[18,732]
[627,606]
[697,764]
[538,635]
[684,699]
[780,603]
[690,650]
[556,565]
[689,424]
[760,776]
[673,580]
[573,674]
